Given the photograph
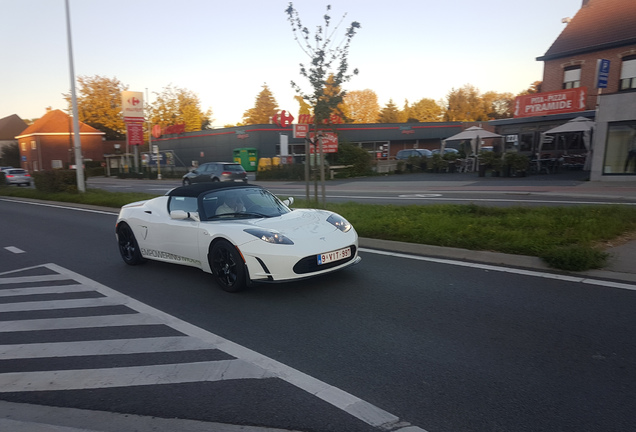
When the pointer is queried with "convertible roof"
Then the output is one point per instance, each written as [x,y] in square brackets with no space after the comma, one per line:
[198,188]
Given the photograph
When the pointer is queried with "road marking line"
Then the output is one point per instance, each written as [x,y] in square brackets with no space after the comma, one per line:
[102,347]
[534,273]
[14,249]
[131,376]
[79,322]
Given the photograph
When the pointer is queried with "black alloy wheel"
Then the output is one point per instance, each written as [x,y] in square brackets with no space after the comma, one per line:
[128,247]
[227,266]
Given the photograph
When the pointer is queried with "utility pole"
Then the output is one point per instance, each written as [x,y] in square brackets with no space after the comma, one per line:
[79,161]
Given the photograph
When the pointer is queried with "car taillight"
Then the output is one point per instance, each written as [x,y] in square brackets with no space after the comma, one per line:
[226,173]
[27,175]
[10,175]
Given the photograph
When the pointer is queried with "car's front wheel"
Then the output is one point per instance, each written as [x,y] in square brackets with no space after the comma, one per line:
[128,247]
[227,266]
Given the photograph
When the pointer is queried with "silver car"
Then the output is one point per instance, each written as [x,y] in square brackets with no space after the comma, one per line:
[215,172]
[17,176]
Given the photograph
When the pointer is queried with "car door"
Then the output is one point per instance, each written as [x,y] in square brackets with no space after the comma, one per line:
[203,173]
[175,240]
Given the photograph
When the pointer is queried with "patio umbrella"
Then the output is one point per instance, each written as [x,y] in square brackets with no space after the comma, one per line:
[474,134]
[578,124]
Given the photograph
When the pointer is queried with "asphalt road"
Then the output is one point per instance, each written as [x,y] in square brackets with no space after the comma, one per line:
[442,347]
[561,189]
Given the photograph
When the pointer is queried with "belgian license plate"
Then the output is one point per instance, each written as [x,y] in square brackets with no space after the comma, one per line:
[336,255]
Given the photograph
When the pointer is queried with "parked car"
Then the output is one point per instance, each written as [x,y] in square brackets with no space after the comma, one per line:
[447,150]
[262,240]
[405,154]
[17,176]
[216,172]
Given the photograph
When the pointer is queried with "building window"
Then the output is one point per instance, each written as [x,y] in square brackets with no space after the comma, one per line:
[620,149]
[33,145]
[628,73]
[572,77]
[23,146]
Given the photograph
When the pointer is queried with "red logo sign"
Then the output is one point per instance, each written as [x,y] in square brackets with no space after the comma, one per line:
[556,102]
[134,101]
[135,133]
[283,119]
[300,130]
[156,131]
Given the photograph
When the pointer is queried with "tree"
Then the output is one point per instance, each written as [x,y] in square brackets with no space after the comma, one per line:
[10,155]
[326,60]
[99,104]
[499,105]
[304,107]
[426,110]
[465,104]
[264,108]
[361,106]
[535,87]
[176,105]
[390,113]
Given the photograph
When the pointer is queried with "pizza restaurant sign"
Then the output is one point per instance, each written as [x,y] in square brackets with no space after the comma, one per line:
[556,102]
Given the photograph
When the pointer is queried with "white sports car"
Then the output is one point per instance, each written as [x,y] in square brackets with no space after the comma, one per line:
[239,233]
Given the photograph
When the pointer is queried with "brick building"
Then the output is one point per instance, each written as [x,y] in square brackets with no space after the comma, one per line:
[48,143]
[600,30]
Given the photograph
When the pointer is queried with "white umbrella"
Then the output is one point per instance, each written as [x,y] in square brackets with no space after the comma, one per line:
[578,124]
[474,134]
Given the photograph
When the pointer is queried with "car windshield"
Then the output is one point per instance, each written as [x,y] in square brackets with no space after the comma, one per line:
[241,203]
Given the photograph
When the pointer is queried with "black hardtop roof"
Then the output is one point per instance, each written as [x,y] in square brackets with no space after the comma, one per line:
[198,188]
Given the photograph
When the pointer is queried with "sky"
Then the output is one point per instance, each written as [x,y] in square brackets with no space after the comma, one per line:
[224,51]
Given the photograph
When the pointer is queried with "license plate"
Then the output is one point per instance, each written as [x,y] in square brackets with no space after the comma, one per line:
[328,257]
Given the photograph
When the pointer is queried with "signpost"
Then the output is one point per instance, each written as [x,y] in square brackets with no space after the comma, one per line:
[132,109]
[602,73]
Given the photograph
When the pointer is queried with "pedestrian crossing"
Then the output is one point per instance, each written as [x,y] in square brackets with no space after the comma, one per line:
[17,291]
[62,331]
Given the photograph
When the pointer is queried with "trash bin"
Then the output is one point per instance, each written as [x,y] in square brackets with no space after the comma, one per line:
[247,157]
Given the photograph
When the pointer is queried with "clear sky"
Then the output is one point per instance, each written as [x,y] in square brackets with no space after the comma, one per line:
[225,50]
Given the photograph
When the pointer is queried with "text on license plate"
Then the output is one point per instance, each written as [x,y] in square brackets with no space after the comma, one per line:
[334,256]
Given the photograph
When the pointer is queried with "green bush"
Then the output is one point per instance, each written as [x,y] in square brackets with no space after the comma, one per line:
[575,258]
[54,181]
[295,172]
[359,158]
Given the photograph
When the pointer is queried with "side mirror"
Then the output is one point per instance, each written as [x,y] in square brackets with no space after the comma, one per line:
[289,201]
[182,215]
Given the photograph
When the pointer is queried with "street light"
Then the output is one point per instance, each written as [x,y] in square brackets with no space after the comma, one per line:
[79,162]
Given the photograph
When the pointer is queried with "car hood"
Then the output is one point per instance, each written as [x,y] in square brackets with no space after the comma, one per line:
[297,224]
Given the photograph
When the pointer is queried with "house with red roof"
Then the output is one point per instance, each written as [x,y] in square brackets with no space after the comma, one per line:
[49,143]
[589,71]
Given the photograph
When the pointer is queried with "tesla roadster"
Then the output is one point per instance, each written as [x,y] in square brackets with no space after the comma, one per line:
[239,233]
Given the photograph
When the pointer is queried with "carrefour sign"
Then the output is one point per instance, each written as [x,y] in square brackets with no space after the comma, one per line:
[556,102]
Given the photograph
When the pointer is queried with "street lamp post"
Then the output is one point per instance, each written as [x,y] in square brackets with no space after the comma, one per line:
[79,162]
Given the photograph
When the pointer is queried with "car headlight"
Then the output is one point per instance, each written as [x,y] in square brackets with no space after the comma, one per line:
[339,222]
[269,236]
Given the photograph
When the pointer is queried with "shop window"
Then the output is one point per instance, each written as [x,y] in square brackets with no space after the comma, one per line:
[620,149]
[572,77]
[526,142]
[628,73]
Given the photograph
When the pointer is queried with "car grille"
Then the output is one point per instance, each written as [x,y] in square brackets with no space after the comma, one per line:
[309,264]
